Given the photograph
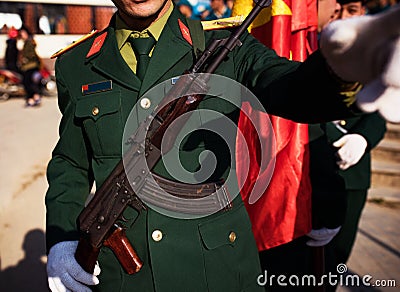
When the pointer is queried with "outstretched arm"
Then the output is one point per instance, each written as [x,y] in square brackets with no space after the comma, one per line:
[367,49]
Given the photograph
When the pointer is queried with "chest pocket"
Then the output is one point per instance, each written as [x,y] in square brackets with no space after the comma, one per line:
[100,115]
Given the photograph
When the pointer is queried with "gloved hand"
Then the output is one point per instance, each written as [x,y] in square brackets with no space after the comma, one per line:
[376,96]
[367,49]
[352,148]
[321,237]
[63,271]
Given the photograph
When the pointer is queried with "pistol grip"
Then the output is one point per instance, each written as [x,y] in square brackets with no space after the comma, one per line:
[123,250]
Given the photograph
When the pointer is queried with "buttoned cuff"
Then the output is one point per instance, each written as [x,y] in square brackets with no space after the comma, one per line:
[348,89]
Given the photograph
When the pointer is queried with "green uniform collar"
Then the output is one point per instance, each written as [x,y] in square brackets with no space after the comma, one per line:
[122,32]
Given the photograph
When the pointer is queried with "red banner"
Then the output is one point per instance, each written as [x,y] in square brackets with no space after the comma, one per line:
[283,212]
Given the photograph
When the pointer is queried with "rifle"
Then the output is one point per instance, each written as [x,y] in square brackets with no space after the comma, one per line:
[101,221]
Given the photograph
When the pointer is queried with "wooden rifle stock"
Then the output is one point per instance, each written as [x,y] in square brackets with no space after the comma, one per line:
[86,255]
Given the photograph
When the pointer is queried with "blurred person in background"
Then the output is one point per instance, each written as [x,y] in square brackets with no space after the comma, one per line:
[11,54]
[200,8]
[185,8]
[30,64]
[219,9]
[376,6]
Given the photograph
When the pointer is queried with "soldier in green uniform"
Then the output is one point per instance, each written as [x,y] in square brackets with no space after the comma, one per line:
[342,151]
[357,136]
[353,140]
[98,86]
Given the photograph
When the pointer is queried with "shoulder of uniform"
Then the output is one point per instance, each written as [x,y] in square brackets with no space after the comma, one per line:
[222,23]
[74,44]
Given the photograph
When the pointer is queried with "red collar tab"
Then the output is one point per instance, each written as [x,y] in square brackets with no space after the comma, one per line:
[97,45]
[185,32]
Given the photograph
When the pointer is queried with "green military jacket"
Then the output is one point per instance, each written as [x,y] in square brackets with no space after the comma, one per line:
[329,183]
[328,188]
[178,254]
[372,127]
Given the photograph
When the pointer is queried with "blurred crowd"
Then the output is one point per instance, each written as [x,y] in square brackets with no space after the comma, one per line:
[22,59]
[376,6]
[215,9]
[205,9]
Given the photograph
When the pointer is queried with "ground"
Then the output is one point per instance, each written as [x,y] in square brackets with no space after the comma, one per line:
[27,137]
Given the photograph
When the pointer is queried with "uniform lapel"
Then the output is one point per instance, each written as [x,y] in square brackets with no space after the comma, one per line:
[110,62]
[170,49]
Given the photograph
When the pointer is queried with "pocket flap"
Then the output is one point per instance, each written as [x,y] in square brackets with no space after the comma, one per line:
[224,230]
[97,105]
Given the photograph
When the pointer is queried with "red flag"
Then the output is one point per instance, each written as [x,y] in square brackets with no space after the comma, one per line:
[283,212]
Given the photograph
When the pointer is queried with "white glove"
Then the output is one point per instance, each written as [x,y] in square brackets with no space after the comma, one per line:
[321,237]
[63,271]
[367,49]
[377,96]
[352,148]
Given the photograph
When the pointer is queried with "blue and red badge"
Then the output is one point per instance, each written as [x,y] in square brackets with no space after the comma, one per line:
[101,86]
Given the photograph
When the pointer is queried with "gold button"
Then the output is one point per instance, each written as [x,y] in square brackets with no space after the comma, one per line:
[232,237]
[342,123]
[145,103]
[157,235]
[95,111]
